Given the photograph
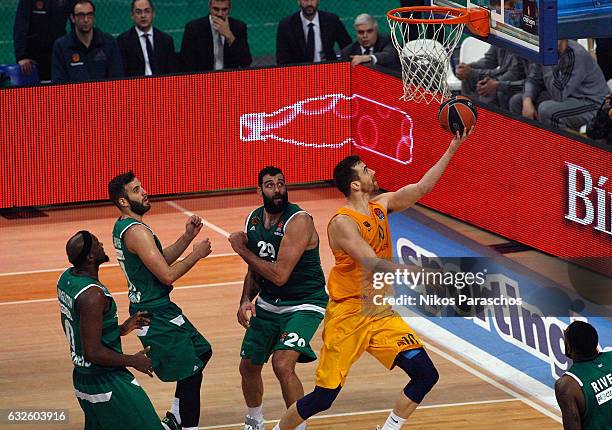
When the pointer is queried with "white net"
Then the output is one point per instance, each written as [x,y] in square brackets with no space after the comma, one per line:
[425,51]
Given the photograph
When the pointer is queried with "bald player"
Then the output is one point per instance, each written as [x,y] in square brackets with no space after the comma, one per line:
[584,392]
[360,240]
[107,392]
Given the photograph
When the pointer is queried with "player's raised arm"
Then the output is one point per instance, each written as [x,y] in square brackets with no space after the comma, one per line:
[295,240]
[568,395]
[407,196]
[140,241]
[192,228]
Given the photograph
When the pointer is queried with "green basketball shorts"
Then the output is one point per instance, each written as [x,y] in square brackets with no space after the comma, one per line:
[176,344]
[269,332]
[114,401]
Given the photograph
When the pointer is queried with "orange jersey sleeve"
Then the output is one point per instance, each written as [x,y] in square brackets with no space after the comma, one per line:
[346,280]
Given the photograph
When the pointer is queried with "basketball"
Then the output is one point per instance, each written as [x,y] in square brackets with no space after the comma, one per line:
[457,114]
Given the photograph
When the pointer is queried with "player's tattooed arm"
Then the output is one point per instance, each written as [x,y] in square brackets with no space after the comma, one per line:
[570,397]
[297,236]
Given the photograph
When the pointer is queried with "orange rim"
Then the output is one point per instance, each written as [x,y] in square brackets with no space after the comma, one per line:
[460,16]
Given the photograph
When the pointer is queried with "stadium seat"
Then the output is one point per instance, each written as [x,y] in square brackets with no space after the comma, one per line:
[585,43]
[472,49]
[17,78]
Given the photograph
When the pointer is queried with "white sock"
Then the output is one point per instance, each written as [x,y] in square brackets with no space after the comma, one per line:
[276,427]
[301,426]
[175,409]
[256,413]
[393,422]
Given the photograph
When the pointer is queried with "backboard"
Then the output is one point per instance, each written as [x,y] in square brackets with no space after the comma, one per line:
[531,28]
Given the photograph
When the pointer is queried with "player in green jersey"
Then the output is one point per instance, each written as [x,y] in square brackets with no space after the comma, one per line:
[281,247]
[584,392]
[178,351]
[107,392]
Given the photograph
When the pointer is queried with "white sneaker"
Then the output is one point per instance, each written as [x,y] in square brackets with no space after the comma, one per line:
[252,424]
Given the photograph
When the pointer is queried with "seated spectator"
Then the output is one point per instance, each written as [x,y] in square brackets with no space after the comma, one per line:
[566,95]
[86,53]
[492,79]
[309,35]
[145,50]
[38,24]
[371,46]
[600,127]
[215,41]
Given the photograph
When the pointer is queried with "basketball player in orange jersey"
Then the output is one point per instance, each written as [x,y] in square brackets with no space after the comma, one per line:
[360,240]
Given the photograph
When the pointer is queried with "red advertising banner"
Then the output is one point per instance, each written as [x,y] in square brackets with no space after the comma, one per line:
[215,131]
[179,134]
[512,178]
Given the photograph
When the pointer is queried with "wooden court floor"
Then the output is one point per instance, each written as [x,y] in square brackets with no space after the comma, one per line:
[35,366]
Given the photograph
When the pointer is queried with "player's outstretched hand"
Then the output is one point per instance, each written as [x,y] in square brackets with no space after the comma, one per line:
[142,363]
[203,248]
[460,138]
[139,320]
[193,226]
[243,316]
[238,241]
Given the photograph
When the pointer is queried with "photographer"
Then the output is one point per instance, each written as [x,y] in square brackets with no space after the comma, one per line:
[600,127]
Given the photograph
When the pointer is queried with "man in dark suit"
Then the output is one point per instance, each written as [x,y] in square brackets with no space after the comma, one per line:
[145,50]
[371,46]
[216,41]
[309,35]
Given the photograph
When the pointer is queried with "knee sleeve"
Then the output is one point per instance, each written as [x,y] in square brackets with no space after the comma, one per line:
[319,400]
[422,372]
[188,391]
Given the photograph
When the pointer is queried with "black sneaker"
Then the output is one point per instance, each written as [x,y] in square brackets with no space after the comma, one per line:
[170,423]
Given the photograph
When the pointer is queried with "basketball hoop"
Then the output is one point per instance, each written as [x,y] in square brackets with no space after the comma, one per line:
[426,58]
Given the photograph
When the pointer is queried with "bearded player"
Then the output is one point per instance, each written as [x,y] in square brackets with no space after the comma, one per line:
[360,240]
[281,247]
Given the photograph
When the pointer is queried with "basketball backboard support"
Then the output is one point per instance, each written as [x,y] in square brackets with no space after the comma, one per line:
[531,28]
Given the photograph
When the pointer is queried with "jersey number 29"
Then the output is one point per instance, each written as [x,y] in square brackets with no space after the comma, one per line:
[266,250]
